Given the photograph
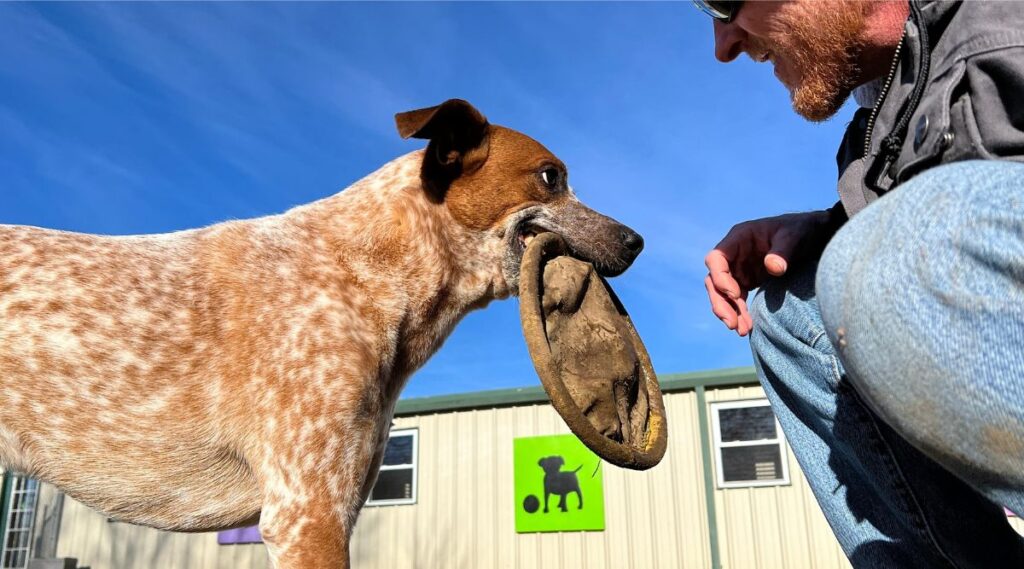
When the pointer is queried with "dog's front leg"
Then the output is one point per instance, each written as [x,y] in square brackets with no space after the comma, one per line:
[312,498]
[305,533]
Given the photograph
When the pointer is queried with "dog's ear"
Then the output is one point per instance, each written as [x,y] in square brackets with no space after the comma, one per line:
[456,121]
[458,135]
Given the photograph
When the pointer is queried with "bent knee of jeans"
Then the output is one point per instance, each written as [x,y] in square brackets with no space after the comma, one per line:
[965,176]
[834,279]
[854,273]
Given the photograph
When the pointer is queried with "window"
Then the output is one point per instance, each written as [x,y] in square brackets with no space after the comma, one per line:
[19,497]
[396,482]
[749,448]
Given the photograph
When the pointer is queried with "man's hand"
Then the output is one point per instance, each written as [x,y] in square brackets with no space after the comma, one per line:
[753,251]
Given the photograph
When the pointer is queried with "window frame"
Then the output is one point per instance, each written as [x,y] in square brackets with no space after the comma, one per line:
[716,440]
[19,504]
[414,432]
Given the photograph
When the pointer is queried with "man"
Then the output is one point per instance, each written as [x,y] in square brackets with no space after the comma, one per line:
[894,359]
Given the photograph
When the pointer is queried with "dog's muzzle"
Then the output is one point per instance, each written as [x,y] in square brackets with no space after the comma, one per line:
[595,238]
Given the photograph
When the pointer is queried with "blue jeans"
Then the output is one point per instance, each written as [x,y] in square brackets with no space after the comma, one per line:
[895,365]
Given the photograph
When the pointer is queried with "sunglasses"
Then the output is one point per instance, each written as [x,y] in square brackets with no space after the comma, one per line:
[722,10]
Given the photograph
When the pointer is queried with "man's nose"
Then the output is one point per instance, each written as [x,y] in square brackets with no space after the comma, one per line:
[728,41]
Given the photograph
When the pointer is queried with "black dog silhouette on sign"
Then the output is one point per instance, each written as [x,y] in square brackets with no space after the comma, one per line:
[559,483]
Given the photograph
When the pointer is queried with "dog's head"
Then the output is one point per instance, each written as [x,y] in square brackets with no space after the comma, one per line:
[551,464]
[496,180]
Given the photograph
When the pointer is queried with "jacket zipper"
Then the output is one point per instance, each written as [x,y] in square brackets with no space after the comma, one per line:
[882,94]
[890,146]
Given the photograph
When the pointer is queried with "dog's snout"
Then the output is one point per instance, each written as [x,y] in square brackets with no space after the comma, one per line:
[611,246]
[632,240]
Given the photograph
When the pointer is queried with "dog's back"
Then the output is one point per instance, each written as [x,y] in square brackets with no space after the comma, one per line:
[106,363]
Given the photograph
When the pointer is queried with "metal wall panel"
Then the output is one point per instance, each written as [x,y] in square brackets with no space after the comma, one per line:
[773,526]
[464,517]
[100,544]
[465,513]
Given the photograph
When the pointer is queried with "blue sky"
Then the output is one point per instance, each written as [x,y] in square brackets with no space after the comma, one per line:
[146,118]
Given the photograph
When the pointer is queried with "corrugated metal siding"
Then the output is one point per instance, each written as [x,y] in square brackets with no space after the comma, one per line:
[99,544]
[465,513]
[464,516]
[774,526]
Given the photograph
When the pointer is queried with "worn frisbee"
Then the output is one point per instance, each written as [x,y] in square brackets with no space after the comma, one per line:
[589,357]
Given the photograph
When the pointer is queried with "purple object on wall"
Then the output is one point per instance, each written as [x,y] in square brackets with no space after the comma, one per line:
[250,534]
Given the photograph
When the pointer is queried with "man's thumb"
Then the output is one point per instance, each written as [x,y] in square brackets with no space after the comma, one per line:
[775,264]
[783,244]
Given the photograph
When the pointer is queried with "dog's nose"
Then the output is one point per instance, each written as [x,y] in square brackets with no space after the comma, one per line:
[632,240]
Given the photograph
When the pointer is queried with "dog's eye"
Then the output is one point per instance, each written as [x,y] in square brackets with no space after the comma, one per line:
[550,177]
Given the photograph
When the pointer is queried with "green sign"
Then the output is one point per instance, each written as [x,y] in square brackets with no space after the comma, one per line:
[558,485]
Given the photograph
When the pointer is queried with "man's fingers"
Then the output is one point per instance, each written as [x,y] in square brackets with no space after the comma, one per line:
[720,273]
[744,323]
[721,306]
[716,261]
[731,311]
[749,254]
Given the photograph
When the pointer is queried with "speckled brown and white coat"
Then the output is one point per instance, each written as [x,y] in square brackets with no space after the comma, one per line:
[249,370]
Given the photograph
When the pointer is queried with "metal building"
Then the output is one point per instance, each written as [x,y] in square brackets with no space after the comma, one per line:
[728,494]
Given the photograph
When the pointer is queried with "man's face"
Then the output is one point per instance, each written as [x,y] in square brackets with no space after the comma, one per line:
[813,44]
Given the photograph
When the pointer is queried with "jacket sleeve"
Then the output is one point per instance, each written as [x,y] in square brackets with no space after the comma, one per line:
[836,218]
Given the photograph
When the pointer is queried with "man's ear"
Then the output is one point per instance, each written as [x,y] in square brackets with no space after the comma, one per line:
[458,135]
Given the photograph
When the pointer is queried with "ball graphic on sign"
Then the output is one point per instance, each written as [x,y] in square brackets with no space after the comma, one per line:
[531,504]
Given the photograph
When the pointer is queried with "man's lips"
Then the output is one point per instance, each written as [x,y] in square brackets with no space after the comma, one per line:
[768,56]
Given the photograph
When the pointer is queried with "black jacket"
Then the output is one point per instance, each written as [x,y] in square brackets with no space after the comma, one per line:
[956,94]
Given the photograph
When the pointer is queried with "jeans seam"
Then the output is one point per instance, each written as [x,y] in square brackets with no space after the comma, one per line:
[904,488]
[814,341]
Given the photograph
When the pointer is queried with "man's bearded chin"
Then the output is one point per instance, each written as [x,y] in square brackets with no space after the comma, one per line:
[825,50]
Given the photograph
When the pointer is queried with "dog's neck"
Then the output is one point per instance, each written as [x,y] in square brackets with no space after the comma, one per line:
[421,268]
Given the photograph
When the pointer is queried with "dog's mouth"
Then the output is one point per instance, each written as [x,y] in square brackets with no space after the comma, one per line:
[522,234]
[526,234]
[529,228]
[590,237]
